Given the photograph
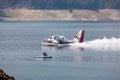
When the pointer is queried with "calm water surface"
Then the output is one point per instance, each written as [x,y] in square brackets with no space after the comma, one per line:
[20,43]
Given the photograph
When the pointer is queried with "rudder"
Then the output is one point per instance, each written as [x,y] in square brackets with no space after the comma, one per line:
[82,36]
[79,37]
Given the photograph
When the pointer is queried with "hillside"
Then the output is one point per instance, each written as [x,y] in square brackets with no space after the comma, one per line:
[43,15]
[60,4]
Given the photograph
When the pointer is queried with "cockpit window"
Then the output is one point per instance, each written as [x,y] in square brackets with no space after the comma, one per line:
[56,37]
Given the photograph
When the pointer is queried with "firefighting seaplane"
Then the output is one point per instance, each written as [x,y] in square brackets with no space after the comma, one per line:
[57,40]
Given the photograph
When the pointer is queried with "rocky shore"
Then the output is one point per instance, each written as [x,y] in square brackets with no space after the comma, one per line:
[58,15]
[4,76]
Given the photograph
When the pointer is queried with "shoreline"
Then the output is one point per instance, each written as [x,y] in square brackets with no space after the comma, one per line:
[107,21]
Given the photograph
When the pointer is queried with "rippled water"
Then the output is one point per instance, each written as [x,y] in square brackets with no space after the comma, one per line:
[98,58]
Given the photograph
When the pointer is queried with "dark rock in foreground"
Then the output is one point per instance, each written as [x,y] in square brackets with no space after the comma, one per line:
[4,76]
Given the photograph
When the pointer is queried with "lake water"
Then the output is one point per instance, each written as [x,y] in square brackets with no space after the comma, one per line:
[98,58]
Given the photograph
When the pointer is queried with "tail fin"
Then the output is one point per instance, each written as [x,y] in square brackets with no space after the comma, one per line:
[79,37]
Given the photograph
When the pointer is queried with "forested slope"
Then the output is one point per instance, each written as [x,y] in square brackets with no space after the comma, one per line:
[61,4]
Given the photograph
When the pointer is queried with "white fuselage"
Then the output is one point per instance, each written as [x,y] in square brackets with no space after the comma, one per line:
[55,40]
[61,40]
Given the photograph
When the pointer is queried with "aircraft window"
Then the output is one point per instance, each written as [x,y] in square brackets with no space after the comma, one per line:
[62,38]
[56,38]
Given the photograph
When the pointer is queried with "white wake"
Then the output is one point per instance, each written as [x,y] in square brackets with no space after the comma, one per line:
[105,44]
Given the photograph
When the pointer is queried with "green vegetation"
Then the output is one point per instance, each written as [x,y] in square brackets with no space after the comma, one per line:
[11,14]
[61,4]
[2,14]
[50,14]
